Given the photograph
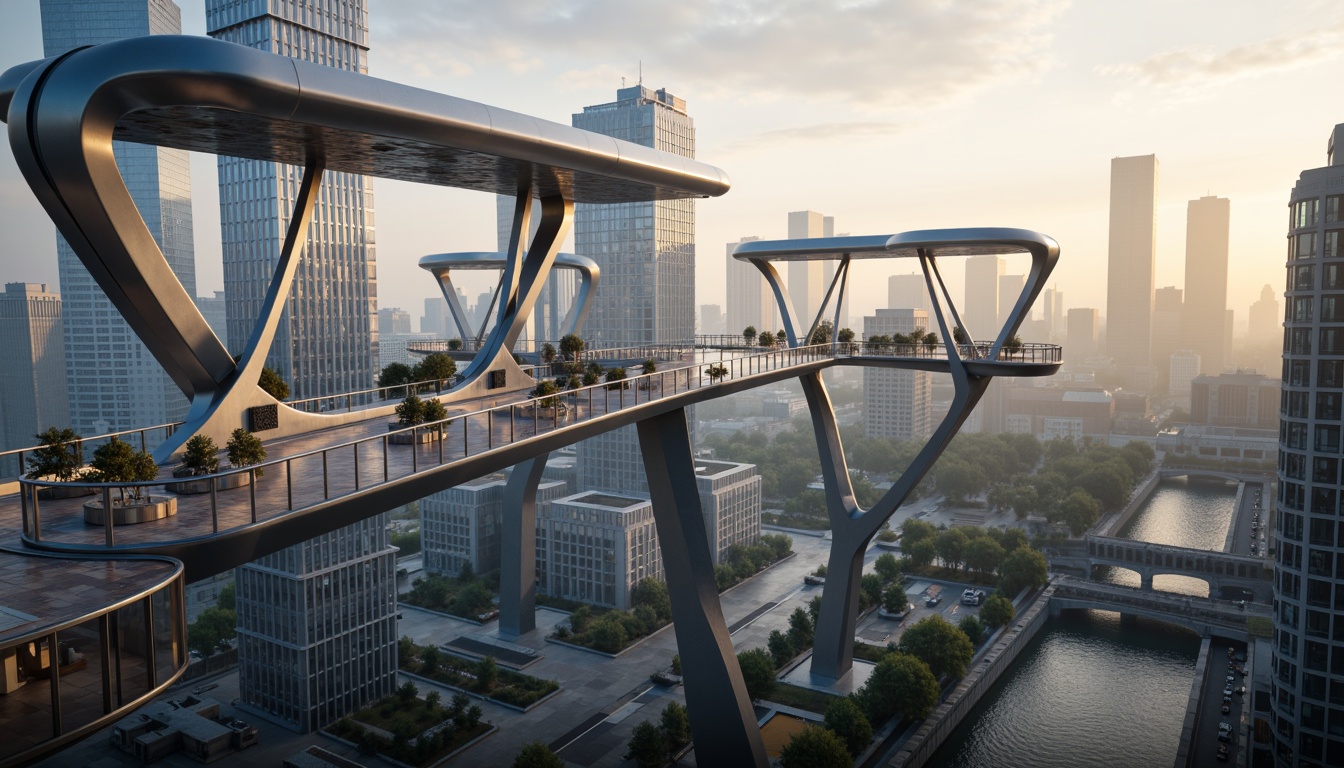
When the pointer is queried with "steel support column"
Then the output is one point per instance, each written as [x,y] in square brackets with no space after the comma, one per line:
[723,722]
[518,549]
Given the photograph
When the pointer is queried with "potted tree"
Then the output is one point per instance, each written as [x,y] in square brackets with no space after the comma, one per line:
[413,412]
[716,372]
[649,367]
[245,449]
[200,458]
[118,462]
[59,457]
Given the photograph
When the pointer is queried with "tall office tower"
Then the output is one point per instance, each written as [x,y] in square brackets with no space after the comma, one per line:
[1203,327]
[548,314]
[1132,256]
[899,403]
[394,321]
[317,626]
[750,301]
[435,320]
[980,312]
[316,621]
[1182,368]
[1054,313]
[1308,657]
[808,280]
[327,339]
[711,319]
[32,381]
[1266,324]
[1168,314]
[1010,288]
[595,547]
[646,250]
[1081,334]
[907,292]
[214,310]
[462,525]
[113,381]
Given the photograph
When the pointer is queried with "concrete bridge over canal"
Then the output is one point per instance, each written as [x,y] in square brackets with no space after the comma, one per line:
[1208,617]
[1222,571]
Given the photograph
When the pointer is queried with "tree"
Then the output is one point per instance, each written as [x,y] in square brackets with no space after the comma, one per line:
[411,411]
[434,411]
[957,479]
[921,553]
[983,555]
[846,336]
[758,672]
[546,393]
[429,660]
[608,634]
[913,530]
[228,597]
[616,378]
[894,600]
[888,567]
[937,643]
[487,673]
[900,684]
[537,755]
[749,334]
[211,628]
[272,384]
[1023,569]
[781,546]
[571,346]
[815,747]
[199,457]
[781,337]
[649,366]
[1079,510]
[716,372]
[972,628]
[997,611]
[548,353]
[766,339]
[60,455]
[951,545]
[1105,485]
[676,726]
[406,693]
[454,344]
[245,449]
[647,747]
[394,375]
[822,335]
[845,719]
[653,593]
[436,367]
[118,462]
[800,629]
[871,584]
[781,648]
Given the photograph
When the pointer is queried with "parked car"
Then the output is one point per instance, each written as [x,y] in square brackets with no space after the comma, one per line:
[933,601]
[972,597]
[1224,754]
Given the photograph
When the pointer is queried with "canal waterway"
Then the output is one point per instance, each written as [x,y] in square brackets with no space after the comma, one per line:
[1093,689]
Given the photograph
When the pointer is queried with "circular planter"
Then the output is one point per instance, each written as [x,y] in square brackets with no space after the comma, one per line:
[156,508]
[225,483]
[419,437]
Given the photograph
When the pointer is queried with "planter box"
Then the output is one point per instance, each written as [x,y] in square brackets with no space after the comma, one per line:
[188,487]
[421,436]
[156,508]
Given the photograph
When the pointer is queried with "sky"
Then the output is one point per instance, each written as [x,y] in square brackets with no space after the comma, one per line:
[889,115]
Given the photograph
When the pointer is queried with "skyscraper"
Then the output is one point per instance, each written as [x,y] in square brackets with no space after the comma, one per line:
[898,403]
[907,292]
[981,313]
[1265,322]
[1168,314]
[808,280]
[1308,655]
[750,302]
[326,340]
[1131,258]
[646,250]
[1054,313]
[316,621]
[113,381]
[1081,334]
[1206,233]
[32,380]
[1010,288]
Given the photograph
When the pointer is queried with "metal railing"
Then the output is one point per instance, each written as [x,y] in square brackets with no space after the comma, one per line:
[370,398]
[160,432]
[978,351]
[451,440]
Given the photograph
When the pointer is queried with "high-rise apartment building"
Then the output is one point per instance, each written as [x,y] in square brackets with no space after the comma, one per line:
[394,321]
[907,292]
[1168,314]
[316,621]
[113,381]
[1265,322]
[750,301]
[1053,299]
[899,403]
[808,280]
[981,309]
[1183,366]
[1203,329]
[1131,259]
[1306,712]
[435,321]
[32,380]
[326,342]
[317,626]
[646,250]
[1082,334]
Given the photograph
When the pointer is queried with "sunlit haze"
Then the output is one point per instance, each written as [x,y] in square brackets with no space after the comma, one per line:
[886,115]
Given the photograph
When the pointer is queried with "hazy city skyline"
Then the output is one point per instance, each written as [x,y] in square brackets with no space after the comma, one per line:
[1017,134]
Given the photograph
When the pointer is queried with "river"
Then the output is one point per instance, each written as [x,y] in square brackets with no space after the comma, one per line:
[1095,690]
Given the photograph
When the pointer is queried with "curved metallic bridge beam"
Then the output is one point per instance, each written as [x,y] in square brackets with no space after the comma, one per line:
[853,528]
[205,95]
[441,266]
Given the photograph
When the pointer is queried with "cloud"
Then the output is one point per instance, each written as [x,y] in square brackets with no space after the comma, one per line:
[1191,72]
[874,53]
[826,132]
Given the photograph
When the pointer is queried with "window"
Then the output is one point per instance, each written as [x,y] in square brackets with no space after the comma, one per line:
[1306,245]
[1329,373]
[1330,244]
[1302,310]
[1327,406]
[1299,341]
[1306,212]
[1332,208]
[1302,278]
[1332,341]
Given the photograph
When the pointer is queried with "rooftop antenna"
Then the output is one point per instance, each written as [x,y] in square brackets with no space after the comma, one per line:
[622,82]
[641,71]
